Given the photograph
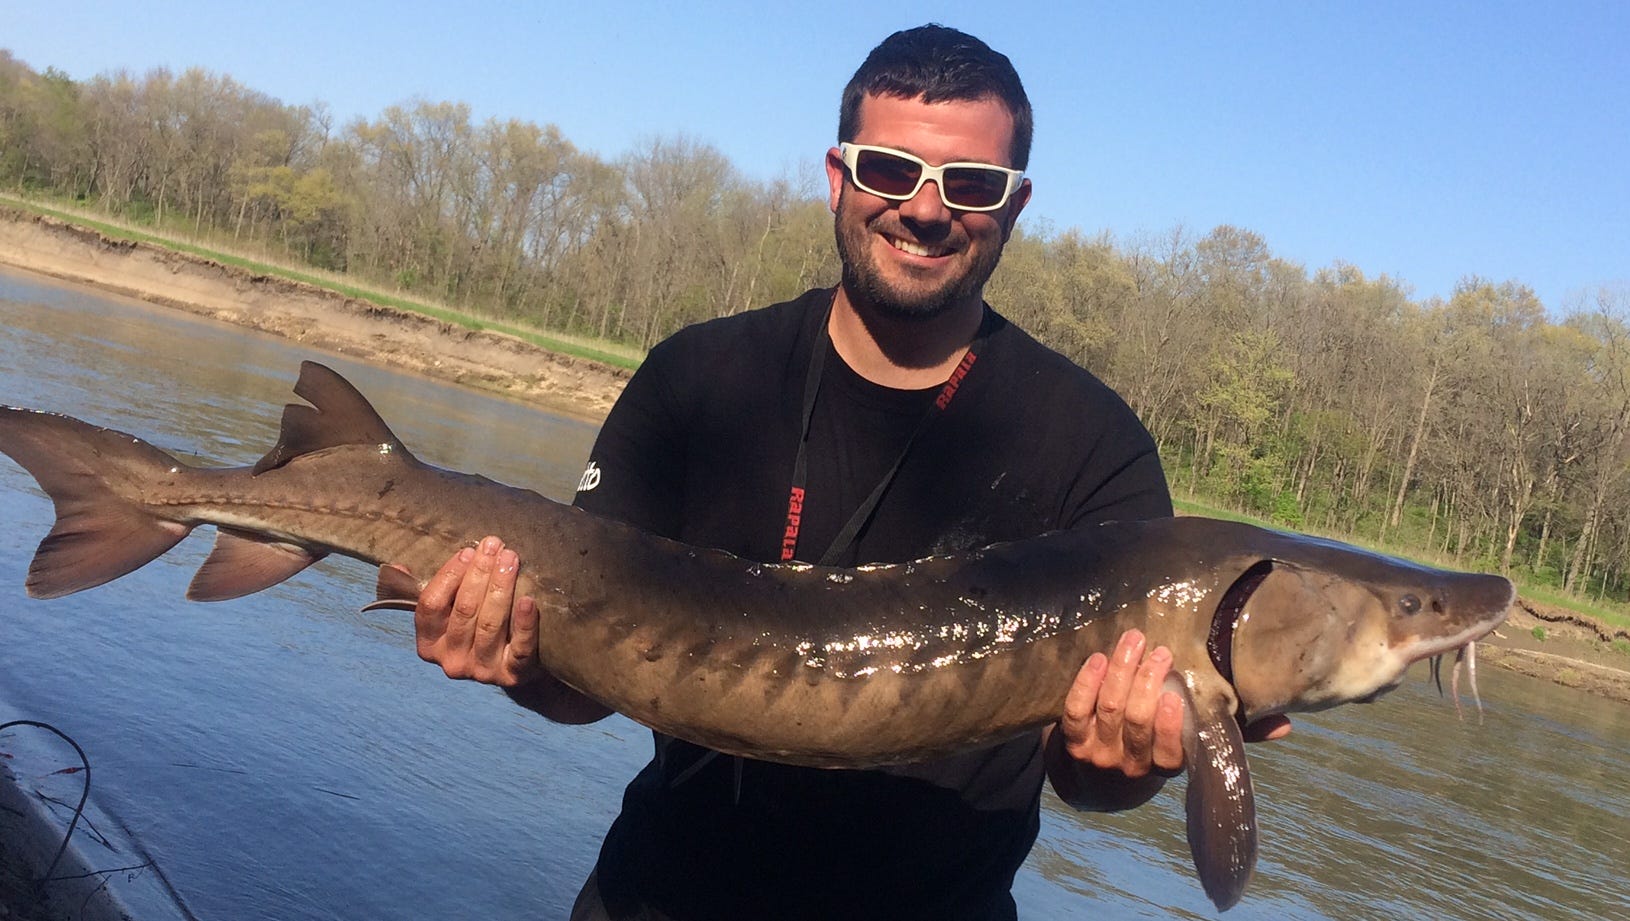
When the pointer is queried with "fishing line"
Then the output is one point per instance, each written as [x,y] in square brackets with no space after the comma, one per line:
[84,795]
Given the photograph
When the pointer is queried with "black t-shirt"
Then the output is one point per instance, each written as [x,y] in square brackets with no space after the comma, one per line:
[701,448]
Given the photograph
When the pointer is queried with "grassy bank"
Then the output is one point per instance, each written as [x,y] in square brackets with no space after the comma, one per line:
[609,353]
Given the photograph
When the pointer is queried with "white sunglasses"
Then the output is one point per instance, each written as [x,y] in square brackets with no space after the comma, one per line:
[899,176]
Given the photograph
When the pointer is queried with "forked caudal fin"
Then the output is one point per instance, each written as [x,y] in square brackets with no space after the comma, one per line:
[96,478]
[88,472]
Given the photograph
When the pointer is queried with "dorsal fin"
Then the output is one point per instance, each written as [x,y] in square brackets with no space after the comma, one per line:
[338,415]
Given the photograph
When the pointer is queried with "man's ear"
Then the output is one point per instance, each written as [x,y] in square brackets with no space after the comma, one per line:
[836,175]
[1015,204]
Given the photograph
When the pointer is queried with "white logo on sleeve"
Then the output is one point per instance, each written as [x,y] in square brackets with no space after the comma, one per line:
[590,479]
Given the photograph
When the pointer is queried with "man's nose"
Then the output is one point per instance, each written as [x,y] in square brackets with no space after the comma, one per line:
[926,207]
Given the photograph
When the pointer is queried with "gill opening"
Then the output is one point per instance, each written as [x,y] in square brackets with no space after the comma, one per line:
[1225,620]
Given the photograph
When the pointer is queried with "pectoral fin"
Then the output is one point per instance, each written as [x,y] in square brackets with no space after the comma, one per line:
[395,590]
[1221,806]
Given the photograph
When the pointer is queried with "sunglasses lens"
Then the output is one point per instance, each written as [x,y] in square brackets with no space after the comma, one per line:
[971,187]
[885,174]
[891,175]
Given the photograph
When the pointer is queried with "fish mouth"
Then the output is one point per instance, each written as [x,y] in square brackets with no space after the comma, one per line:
[1464,647]
[1437,647]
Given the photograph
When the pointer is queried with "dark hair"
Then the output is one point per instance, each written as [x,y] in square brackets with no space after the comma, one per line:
[939,64]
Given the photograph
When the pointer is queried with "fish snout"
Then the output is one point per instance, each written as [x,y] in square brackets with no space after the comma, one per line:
[1462,599]
[1441,615]
[1478,601]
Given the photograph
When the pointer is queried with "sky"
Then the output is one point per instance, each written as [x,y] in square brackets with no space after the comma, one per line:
[1426,141]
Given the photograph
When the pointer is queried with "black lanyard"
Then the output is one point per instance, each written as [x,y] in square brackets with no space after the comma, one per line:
[800,466]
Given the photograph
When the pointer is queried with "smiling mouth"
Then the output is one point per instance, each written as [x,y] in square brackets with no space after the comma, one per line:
[916,249]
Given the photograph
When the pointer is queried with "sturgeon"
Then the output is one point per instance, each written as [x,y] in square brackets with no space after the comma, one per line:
[802,664]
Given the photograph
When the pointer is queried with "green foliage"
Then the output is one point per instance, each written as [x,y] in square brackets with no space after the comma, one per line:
[1538,632]
[1287,512]
[1247,381]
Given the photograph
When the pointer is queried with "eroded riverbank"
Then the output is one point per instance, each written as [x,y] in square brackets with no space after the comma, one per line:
[309,314]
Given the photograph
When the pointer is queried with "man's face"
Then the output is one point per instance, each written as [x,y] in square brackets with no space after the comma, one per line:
[918,258]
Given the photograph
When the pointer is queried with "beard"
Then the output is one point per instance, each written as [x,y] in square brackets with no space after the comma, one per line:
[864,279]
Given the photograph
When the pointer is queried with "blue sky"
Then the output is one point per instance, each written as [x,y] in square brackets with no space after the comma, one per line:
[1426,141]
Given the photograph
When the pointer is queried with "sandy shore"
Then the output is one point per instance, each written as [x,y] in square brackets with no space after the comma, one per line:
[1574,652]
[309,314]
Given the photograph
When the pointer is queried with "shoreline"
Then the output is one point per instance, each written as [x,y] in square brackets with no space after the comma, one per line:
[483,359]
[1573,652]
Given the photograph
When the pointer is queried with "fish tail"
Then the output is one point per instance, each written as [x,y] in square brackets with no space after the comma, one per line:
[101,533]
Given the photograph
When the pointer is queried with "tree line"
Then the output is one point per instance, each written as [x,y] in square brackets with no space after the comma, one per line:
[1480,429]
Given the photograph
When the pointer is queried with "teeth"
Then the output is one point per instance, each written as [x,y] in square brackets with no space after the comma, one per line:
[916,249]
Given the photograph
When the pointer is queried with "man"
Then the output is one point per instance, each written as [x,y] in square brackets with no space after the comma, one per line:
[894,417]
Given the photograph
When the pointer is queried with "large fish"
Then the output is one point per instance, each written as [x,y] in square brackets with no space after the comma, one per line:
[795,663]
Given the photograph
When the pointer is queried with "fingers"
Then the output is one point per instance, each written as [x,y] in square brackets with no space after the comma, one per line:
[469,621]
[1143,698]
[1117,714]
[1110,727]
[1081,703]
[480,617]
[1168,750]
[522,649]
[436,601]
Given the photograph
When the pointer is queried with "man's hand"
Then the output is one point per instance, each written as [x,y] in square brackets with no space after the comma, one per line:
[1117,715]
[1121,734]
[469,621]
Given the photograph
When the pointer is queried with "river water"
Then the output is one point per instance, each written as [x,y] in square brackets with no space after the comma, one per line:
[286,756]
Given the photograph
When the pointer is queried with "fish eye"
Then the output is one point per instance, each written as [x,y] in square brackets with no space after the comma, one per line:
[1410,604]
